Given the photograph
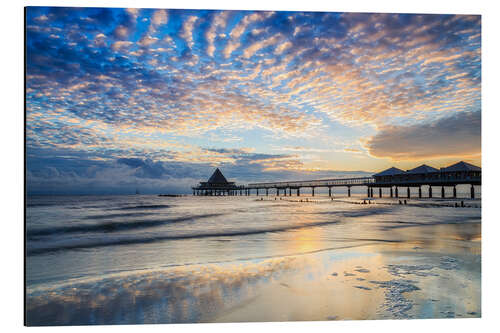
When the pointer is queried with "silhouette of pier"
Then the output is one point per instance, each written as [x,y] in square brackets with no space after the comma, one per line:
[393,179]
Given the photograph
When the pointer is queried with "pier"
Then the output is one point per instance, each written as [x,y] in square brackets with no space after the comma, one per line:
[398,182]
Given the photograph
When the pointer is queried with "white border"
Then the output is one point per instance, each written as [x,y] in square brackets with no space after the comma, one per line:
[12,160]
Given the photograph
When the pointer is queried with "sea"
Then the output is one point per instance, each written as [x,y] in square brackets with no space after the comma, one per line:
[132,259]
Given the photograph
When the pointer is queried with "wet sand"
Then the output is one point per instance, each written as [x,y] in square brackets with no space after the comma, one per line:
[375,282]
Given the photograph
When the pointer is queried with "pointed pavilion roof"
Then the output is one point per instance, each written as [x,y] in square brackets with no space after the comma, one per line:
[461,166]
[389,172]
[217,178]
[422,169]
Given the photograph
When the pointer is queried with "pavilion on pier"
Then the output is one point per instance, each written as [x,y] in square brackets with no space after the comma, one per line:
[216,185]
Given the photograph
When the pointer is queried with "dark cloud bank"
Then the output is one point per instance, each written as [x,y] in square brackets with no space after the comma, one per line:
[79,175]
[454,136]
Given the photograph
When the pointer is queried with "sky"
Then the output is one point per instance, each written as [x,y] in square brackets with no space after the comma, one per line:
[126,99]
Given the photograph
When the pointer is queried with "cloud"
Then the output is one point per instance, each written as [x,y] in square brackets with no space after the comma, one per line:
[457,136]
[158,18]
[235,34]
[219,22]
[187,30]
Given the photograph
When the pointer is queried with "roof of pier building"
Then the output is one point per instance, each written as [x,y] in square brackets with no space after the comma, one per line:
[217,178]
[461,166]
[389,172]
[422,170]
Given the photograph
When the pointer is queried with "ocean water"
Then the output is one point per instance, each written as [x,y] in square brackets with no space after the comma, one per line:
[151,259]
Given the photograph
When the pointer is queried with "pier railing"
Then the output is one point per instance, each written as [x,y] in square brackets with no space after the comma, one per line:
[360,181]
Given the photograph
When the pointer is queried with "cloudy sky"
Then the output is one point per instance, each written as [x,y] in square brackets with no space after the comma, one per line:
[155,99]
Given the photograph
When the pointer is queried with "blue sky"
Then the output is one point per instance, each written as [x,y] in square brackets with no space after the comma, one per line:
[156,99]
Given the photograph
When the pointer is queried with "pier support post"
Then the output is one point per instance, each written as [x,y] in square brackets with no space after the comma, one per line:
[267,192]
[284,192]
[420,191]
[391,192]
[397,195]
[257,192]
[371,192]
[408,192]
[442,192]
[368,192]
[277,192]
[312,191]
[430,191]
[290,191]
[349,191]
[298,191]
[472,194]
[380,192]
[329,191]
[454,191]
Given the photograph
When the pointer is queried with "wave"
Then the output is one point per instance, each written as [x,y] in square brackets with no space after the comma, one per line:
[112,216]
[142,240]
[112,226]
[142,207]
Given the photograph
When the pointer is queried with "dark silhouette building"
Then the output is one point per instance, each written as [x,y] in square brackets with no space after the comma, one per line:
[217,184]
